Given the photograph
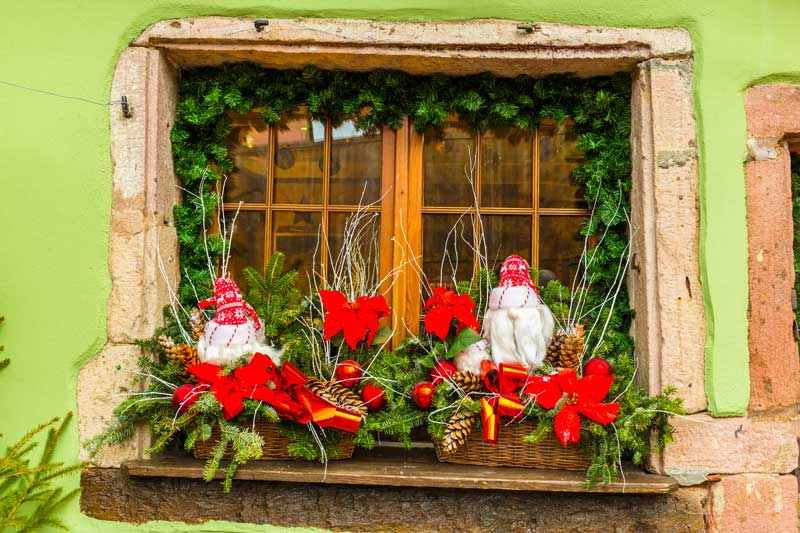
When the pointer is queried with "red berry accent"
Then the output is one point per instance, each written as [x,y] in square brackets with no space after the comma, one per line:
[372,395]
[596,367]
[348,373]
[422,395]
[184,396]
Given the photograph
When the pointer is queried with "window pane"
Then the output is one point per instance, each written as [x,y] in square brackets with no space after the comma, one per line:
[247,245]
[560,245]
[355,165]
[248,145]
[447,242]
[507,235]
[445,157]
[298,161]
[558,158]
[506,160]
[363,235]
[296,234]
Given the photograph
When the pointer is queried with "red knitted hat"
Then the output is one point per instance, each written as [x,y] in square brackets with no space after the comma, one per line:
[514,273]
[229,303]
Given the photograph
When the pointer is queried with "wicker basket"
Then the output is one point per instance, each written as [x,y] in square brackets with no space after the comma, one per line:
[511,450]
[275,444]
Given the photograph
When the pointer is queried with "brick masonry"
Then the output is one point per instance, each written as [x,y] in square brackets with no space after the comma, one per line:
[753,503]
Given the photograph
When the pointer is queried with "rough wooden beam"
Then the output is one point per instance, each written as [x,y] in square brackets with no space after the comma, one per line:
[401,469]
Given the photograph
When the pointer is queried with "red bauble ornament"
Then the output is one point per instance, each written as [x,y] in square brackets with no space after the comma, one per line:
[442,371]
[348,373]
[422,395]
[186,395]
[596,367]
[372,395]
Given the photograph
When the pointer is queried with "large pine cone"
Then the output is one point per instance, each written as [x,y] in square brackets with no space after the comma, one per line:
[457,431]
[566,348]
[467,381]
[337,394]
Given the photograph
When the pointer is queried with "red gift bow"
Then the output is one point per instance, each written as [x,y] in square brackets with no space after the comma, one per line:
[504,381]
[355,319]
[290,399]
[444,306]
[581,397]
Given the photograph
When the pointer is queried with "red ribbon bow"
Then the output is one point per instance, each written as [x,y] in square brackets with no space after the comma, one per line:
[581,397]
[289,397]
[504,381]
[355,319]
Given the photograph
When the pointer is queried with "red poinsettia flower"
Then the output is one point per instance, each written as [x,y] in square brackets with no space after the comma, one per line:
[444,306]
[356,319]
[581,397]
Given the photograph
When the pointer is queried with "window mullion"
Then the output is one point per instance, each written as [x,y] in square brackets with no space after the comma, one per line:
[407,230]
[270,177]
[388,178]
[535,201]
[477,236]
[326,175]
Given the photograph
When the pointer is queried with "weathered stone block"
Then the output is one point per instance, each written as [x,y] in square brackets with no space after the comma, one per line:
[669,328]
[143,193]
[706,445]
[774,362]
[753,503]
[101,387]
[773,110]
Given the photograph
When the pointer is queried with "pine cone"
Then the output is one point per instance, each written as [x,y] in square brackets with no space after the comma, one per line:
[467,381]
[458,429]
[183,355]
[565,349]
[166,343]
[337,394]
[198,322]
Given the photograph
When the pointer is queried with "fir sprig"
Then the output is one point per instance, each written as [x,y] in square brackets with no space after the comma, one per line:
[28,497]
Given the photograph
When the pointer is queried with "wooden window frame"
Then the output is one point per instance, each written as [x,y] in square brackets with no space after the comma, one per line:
[325,208]
[395,150]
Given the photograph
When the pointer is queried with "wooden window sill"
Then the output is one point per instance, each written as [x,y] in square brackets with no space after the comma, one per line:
[400,468]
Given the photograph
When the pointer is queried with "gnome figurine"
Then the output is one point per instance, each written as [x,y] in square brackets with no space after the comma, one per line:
[517,325]
[235,329]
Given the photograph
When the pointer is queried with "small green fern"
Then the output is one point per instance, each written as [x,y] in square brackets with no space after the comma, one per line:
[274,297]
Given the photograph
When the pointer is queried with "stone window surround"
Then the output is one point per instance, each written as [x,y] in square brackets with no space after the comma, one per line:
[664,281]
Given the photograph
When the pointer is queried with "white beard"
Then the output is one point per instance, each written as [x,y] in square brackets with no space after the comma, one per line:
[518,327]
[469,359]
[222,344]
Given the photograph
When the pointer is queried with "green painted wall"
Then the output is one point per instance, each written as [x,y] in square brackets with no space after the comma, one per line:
[55,170]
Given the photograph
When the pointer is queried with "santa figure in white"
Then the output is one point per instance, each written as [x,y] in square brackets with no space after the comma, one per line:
[517,325]
[234,331]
